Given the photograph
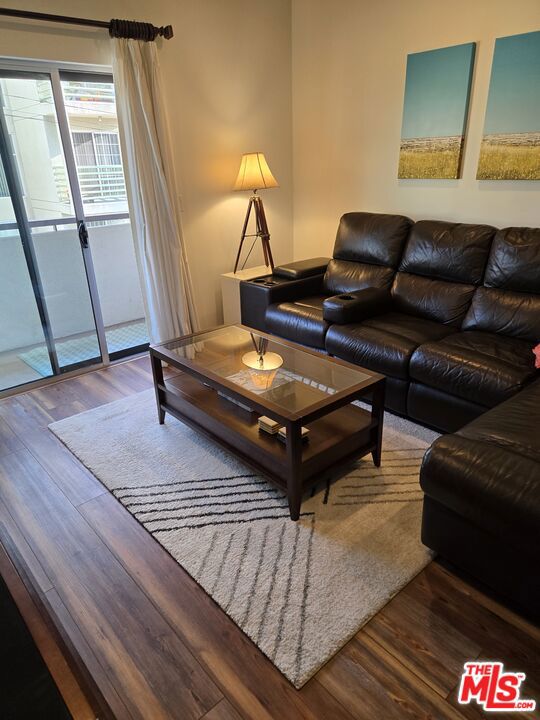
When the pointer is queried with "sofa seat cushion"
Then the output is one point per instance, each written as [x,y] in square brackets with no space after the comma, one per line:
[384,343]
[489,471]
[301,320]
[481,367]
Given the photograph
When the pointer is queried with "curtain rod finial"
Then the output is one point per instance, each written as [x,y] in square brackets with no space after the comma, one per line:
[168,32]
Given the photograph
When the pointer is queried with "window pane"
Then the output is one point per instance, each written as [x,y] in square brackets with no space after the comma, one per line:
[30,114]
[65,287]
[118,284]
[91,110]
[21,331]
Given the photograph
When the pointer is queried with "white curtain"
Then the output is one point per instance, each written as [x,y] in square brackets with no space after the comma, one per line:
[152,195]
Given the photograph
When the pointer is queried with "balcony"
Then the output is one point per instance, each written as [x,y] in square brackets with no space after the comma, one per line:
[23,353]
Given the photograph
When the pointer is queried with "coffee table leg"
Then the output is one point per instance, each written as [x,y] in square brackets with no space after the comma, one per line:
[294,462]
[157,372]
[377,414]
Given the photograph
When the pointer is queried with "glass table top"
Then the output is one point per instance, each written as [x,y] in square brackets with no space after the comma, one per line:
[290,378]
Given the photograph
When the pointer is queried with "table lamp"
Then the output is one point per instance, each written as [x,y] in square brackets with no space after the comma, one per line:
[254,174]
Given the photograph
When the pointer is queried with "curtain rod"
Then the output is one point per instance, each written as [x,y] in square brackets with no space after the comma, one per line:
[116,28]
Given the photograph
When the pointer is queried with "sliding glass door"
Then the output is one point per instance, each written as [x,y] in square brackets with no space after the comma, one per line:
[89,101]
[69,288]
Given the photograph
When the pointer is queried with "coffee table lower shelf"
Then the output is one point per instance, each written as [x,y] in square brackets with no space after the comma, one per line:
[336,439]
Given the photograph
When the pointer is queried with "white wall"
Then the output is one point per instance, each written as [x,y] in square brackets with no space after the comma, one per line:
[230,81]
[349,60]
[228,76]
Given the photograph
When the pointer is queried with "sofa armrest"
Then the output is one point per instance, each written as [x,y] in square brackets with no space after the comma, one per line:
[302,268]
[257,294]
[356,306]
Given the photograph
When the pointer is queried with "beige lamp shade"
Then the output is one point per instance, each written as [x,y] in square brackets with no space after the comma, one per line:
[254,173]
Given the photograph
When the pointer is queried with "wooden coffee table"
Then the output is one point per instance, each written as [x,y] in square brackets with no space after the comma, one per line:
[232,375]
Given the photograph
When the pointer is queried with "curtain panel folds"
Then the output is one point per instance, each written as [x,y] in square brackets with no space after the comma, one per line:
[152,195]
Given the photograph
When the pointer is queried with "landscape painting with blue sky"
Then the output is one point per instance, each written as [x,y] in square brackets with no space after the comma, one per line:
[511,144]
[437,90]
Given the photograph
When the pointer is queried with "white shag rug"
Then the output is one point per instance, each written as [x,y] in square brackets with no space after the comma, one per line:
[299,590]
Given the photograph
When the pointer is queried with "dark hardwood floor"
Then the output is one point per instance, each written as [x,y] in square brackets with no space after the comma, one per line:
[140,639]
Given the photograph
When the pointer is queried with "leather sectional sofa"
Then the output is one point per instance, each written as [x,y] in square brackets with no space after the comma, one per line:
[450,314]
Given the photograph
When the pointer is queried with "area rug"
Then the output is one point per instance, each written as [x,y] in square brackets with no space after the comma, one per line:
[79,349]
[299,590]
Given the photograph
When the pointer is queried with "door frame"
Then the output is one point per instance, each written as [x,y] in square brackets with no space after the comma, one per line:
[11,62]
[73,179]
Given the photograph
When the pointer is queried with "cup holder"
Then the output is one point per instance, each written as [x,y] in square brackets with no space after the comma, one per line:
[264,281]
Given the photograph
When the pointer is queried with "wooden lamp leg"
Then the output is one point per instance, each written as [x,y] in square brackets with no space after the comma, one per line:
[262,231]
[266,243]
[244,229]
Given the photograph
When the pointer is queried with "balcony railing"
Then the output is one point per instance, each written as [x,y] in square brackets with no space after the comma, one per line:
[99,183]
[61,182]
[89,92]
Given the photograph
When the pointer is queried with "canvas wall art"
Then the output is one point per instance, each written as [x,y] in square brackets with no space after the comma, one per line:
[510,147]
[435,109]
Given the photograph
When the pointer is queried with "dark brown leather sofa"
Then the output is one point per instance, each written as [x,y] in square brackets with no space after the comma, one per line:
[454,331]
[450,314]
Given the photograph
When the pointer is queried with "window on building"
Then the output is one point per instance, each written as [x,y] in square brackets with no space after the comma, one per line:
[84,149]
[107,149]
[99,164]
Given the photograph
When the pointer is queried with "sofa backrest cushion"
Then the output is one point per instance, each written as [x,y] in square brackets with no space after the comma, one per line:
[444,302]
[440,268]
[448,251]
[509,302]
[514,260]
[367,251]
[343,276]
[505,312]
[371,238]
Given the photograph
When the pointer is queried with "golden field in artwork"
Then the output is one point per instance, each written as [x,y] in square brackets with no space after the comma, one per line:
[514,156]
[430,158]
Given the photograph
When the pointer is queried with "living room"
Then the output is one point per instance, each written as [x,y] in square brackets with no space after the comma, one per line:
[270,358]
